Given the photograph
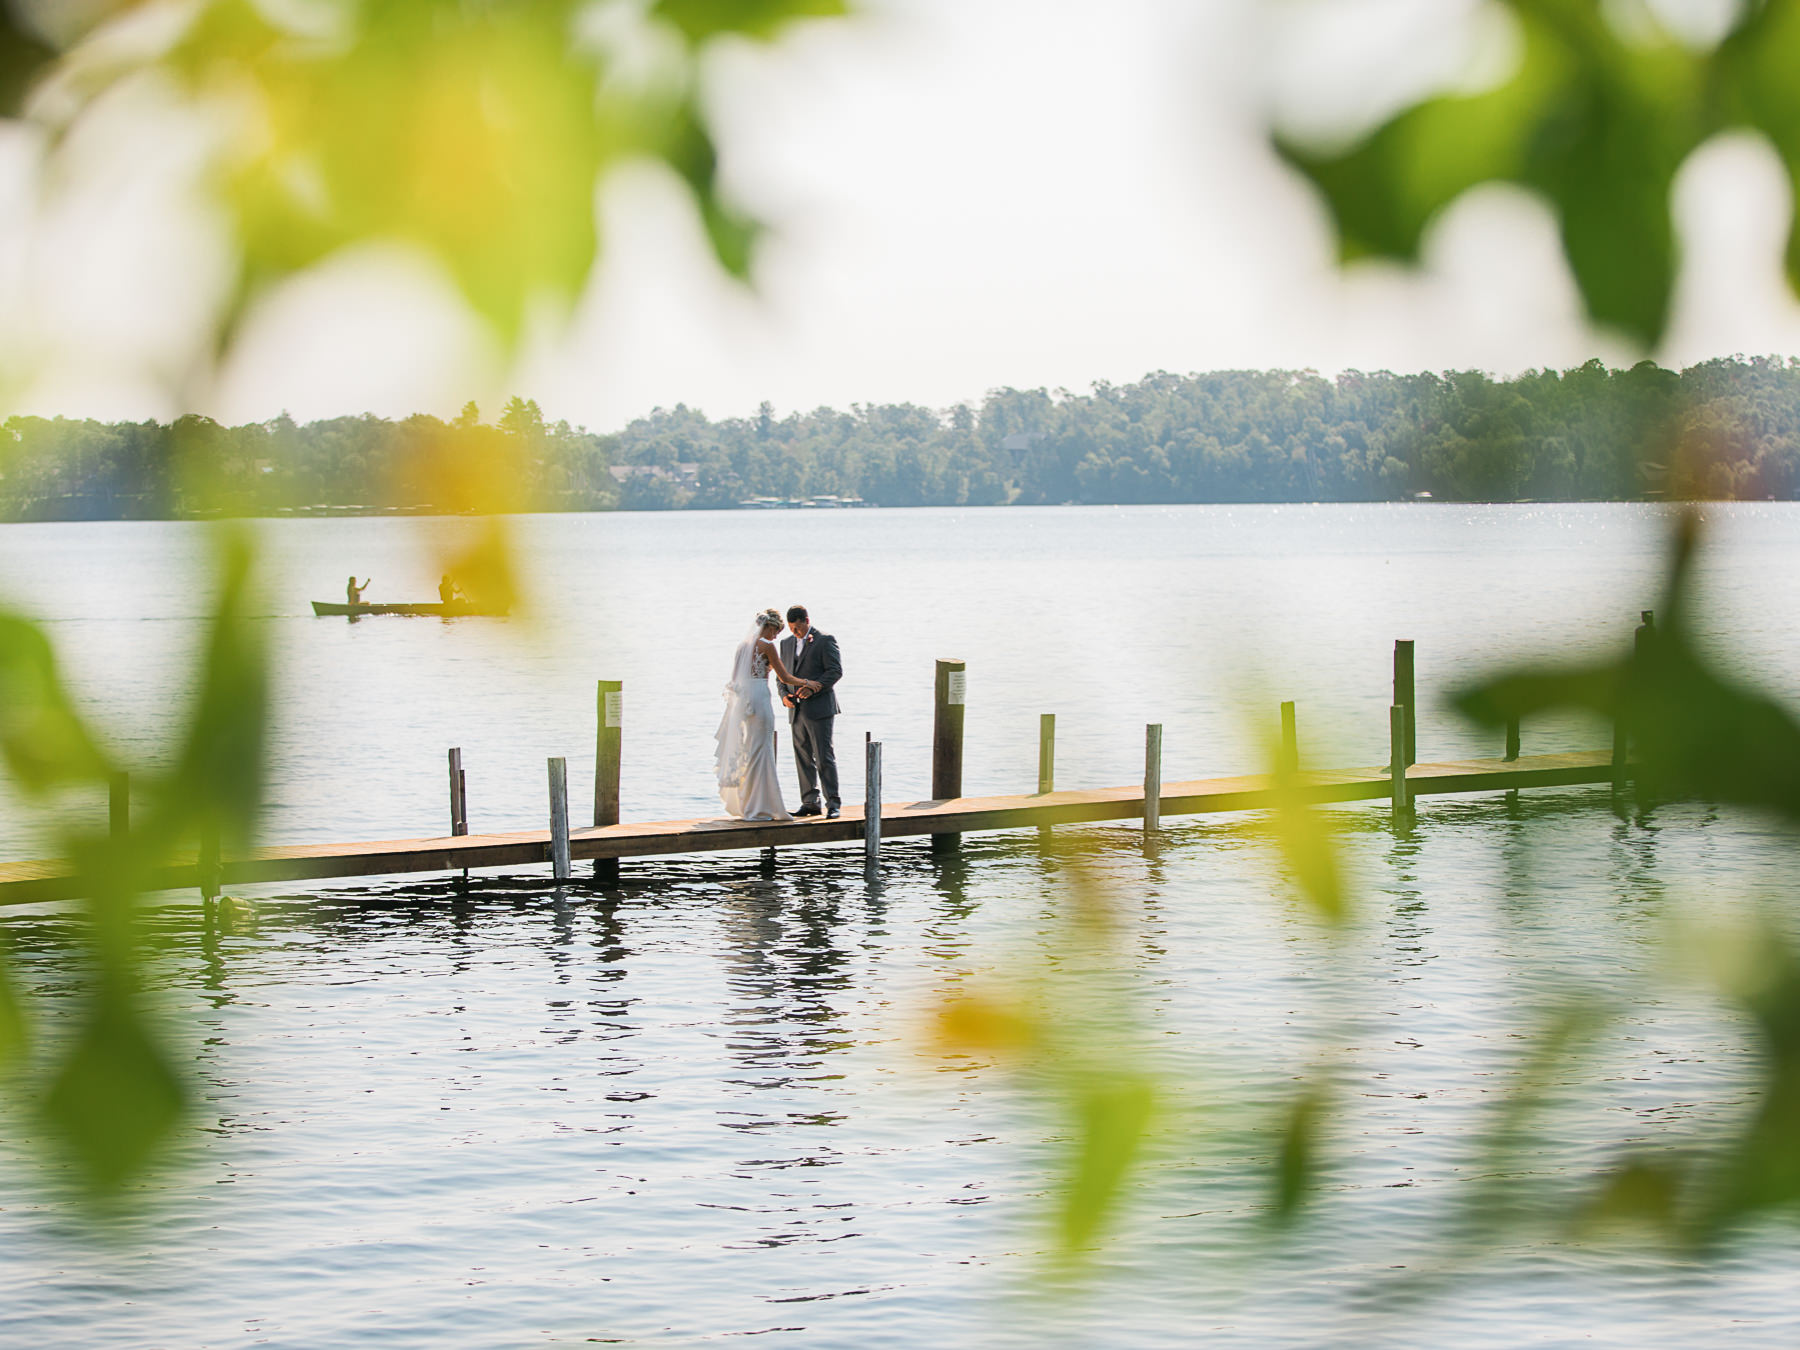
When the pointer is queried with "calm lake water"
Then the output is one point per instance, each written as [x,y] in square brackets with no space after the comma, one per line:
[707,1104]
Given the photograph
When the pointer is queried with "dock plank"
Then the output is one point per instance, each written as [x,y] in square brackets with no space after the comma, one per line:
[44,879]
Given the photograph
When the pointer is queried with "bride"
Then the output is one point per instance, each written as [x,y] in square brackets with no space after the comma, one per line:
[747,783]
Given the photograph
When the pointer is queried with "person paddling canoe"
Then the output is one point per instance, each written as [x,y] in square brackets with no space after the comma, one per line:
[353,592]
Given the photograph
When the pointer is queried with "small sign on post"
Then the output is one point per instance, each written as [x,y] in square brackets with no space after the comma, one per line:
[947,741]
[608,736]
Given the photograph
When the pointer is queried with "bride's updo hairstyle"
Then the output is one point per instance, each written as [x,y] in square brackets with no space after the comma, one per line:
[767,618]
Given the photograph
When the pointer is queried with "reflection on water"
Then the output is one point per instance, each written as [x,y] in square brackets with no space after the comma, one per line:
[698,1103]
[701,1103]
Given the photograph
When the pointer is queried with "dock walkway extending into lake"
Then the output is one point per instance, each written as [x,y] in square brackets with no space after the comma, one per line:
[944,816]
[26,882]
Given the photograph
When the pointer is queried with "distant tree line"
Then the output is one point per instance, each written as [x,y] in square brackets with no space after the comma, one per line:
[1724,429]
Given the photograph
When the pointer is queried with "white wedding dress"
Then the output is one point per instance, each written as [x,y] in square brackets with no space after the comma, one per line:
[747,783]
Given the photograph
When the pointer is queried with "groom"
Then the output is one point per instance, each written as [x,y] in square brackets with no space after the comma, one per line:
[812,655]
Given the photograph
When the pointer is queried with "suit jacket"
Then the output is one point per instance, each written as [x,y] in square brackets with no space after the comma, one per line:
[814,659]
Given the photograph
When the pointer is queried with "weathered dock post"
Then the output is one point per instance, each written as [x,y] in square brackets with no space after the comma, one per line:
[1152,777]
[559,818]
[1642,643]
[1512,753]
[1046,753]
[211,869]
[118,807]
[871,805]
[1289,763]
[609,732]
[459,798]
[1402,803]
[947,741]
[1404,696]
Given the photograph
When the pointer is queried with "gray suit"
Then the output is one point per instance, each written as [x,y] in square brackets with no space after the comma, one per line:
[810,719]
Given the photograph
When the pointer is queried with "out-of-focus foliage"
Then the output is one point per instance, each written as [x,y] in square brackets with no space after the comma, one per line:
[23,56]
[1720,430]
[1074,1040]
[474,132]
[1599,114]
[108,1091]
[43,741]
[1695,733]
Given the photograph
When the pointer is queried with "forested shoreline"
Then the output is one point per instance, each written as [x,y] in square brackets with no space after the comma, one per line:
[1724,429]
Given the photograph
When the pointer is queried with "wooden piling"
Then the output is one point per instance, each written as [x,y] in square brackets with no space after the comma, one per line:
[459,802]
[609,732]
[1622,729]
[1152,777]
[947,740]
[1512,754]
[559,818]
[1290,742]
[118,806]
[1401,803]
[1046,753]
[1405,697]
[872,804]
[210,866]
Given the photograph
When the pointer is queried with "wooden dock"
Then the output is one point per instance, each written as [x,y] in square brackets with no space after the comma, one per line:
[49,880]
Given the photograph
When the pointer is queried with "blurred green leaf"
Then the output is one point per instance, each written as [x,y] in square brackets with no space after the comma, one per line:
[1761,1170]
[43,739]
[1296,1163]
[23,56]
[218,781]
[700,20]
[1639,1194]
[1596,120]
[1306,840]
[468,130]
[115,1096]
[13,1028]
[1761,89]
[1112,1115]
[1696,734]
[690,152]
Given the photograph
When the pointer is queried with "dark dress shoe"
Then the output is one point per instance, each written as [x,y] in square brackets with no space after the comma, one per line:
[831,813]
[807,811]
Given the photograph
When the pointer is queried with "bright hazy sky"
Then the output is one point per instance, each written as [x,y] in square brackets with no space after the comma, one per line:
[967,194]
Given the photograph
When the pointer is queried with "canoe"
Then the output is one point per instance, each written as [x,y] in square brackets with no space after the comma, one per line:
[454,609]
